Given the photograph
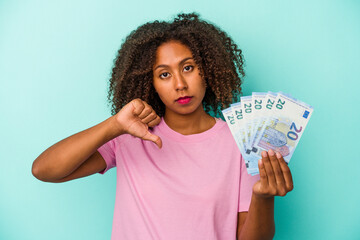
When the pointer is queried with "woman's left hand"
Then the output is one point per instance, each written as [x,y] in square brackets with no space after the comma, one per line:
[275,176]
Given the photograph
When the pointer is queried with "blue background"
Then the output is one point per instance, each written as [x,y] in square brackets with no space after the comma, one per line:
[55,62]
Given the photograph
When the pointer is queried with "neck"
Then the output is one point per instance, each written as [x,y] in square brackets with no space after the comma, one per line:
[193,123]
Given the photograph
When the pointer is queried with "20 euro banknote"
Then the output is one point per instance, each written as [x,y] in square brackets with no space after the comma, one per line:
[274,121]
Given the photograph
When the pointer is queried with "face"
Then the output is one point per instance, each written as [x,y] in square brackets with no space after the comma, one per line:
[177,79]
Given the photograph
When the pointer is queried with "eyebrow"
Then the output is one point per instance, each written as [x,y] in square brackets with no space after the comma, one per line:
[181,62]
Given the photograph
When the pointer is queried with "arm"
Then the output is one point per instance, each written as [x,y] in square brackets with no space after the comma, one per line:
[77,156]
[64,157]
[275,180]
[258,223]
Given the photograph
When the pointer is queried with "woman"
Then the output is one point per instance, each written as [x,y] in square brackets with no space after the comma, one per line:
[180,174]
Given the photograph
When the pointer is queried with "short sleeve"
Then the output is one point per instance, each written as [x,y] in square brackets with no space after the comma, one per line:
[246,184]
[107,151]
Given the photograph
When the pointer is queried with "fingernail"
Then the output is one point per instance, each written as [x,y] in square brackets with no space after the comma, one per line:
[271,152]
[278,155]
[264,154]
[260,162]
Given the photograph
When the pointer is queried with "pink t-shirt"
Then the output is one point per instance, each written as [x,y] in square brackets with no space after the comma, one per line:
[191,189]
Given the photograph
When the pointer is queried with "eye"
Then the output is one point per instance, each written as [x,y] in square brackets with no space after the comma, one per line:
[164,75]
[188,68]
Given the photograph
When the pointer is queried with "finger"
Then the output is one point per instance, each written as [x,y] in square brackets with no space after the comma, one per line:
[146,111]
[154,138]
[276,167]
[286,173]
[138,106]
[268,169]
[154,122]
[263,176]
[152,116]
[280,182]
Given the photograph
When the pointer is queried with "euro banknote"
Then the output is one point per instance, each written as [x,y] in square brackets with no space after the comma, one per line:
[265,121]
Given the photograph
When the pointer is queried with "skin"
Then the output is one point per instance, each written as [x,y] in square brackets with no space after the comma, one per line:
[175,75]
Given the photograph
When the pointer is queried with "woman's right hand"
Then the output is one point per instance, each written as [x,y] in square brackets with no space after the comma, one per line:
[135,118]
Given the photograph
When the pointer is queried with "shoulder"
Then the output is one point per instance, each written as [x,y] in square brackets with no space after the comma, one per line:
[224,128]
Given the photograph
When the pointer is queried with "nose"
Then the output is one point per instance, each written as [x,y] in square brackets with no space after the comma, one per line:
[180,82]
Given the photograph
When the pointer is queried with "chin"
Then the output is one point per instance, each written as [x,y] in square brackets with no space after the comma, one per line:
[187,111]
[184,110]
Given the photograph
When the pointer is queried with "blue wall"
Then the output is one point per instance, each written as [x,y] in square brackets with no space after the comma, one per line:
[55,61]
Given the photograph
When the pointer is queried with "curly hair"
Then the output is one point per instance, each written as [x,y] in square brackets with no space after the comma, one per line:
[219,59]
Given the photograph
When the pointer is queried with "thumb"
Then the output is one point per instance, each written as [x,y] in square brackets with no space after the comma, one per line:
[154,138]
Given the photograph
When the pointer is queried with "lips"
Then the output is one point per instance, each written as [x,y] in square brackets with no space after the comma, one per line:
[184,100]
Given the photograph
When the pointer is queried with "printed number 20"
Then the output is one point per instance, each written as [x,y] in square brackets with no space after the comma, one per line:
[231,118]
[280,104]
[293,135]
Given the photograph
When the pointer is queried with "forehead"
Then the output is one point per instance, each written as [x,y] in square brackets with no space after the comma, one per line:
[172,52]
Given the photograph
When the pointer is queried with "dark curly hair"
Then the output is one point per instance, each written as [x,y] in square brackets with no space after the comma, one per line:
[218,57]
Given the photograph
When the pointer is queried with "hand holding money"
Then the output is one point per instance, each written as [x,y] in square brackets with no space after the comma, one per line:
[275,176]
[267,121]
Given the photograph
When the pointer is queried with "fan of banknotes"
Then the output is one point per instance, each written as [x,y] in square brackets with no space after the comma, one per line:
[265,121]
